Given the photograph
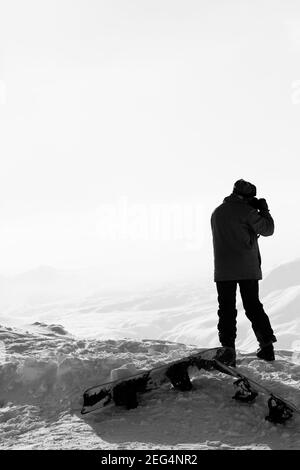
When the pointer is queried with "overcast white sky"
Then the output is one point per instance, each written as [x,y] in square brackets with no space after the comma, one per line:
[155,101]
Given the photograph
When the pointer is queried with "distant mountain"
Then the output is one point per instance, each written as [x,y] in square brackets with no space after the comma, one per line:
[39,275]
[42,284]
[283,276]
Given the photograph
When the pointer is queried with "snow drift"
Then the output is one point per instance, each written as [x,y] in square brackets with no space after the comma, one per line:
[53,349]
[44,370]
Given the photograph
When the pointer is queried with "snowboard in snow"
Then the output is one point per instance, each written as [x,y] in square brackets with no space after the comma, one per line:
[125,392]
[280,409]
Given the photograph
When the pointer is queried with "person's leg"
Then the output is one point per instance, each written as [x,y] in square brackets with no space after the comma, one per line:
[227,312]
[255,312]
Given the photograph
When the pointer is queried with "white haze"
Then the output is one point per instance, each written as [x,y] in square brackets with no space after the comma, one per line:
[158,102]
[185,311]
[123,124]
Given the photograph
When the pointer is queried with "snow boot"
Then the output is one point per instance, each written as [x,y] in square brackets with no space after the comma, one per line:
[266,352]
[230,359]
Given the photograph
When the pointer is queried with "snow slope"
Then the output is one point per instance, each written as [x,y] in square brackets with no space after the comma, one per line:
[43,373]
[179,312]
[51,349]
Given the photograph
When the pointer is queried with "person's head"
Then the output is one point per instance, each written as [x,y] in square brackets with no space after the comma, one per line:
[244,189]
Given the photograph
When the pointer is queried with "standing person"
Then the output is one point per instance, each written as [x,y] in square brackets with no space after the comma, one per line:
[236,225]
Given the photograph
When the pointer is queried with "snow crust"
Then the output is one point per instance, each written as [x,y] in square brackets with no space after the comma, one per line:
[51,351]
[43,375]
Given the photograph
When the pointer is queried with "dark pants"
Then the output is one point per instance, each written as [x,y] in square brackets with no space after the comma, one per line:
[253,308]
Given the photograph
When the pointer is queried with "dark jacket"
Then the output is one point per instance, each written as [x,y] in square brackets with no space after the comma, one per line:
[235,229]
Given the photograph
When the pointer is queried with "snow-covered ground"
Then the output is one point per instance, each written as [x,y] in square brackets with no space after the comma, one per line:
[50,351]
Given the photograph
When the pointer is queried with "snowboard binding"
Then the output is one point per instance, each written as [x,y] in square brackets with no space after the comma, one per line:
[244,393]
[279,412]
[179,377]
[126,393]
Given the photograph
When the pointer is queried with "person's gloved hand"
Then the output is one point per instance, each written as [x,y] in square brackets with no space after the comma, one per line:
[254,202]
[259,204]
[262,205]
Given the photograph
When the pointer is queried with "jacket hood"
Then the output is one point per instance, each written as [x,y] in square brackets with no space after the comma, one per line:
[234,198]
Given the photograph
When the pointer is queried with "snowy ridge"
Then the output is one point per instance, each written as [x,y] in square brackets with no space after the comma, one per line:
[43,372]
[177,312]
[53,348]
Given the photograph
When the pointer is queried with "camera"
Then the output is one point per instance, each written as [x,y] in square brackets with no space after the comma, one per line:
[254,202]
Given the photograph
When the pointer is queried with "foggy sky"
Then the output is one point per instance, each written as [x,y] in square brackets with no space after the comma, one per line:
[156,101]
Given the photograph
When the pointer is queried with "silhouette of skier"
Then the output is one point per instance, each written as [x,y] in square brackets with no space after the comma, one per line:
[236,225]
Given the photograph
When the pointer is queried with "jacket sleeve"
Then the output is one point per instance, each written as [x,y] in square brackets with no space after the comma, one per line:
[261,222]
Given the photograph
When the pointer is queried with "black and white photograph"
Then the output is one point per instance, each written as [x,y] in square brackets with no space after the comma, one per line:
[149,228]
